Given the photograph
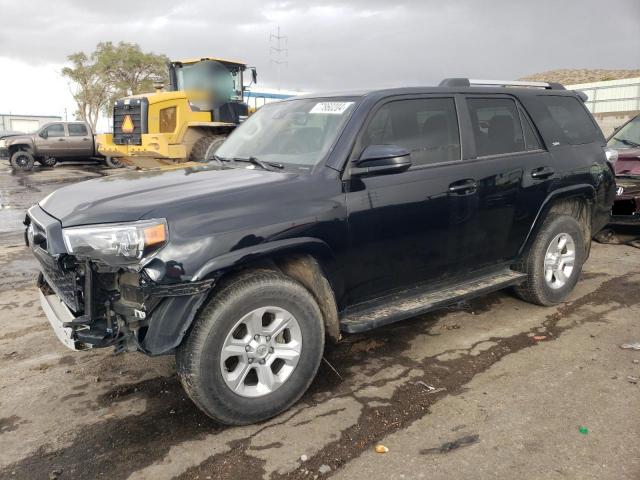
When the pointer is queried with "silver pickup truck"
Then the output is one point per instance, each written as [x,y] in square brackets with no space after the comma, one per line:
[53,142]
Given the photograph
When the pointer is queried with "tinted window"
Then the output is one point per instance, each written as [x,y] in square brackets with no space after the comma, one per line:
[427,127]
[77,130]
[56,130]
[570,116]
[531,140]
[496,126]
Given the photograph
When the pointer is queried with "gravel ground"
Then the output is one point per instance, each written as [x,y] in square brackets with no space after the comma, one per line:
[492,388]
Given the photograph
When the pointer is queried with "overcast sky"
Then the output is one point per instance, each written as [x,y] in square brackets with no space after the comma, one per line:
[331,45]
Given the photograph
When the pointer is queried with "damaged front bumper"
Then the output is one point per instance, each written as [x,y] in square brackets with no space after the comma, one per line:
[90,304]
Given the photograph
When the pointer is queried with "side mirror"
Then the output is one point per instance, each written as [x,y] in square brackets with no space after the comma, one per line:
[43,134]
[381,159]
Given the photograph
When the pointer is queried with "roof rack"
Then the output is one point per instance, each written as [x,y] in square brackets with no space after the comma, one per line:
[474,82]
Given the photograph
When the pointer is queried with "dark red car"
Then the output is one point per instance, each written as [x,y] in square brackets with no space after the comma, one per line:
[626,140]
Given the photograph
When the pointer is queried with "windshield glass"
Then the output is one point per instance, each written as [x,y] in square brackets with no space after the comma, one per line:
[212,78]
[628,136]
[294,132]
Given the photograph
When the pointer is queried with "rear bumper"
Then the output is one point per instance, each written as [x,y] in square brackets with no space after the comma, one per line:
[58,314]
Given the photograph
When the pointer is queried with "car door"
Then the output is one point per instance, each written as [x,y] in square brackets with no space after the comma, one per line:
[80,142]
[403,227]
[513,173]
[51,141]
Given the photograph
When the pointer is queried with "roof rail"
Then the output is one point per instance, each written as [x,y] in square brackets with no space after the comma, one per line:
[474,82]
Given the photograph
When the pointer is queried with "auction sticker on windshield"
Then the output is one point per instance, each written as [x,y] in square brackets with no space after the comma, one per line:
[333,108]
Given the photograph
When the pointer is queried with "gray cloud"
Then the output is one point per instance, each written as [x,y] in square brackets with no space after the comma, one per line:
[342,45]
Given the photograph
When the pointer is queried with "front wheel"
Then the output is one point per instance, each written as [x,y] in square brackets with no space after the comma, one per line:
[22,160]
[253,350]
[553,262]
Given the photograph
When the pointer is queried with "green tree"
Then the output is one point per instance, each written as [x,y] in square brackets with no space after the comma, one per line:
[90,90]
[112,71]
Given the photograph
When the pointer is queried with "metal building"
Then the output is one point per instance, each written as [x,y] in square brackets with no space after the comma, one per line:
[24,123]
[257,97]
[612,102]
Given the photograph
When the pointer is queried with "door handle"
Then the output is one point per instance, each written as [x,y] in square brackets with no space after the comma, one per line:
[85,139]
[61,139]
[542,172]
[463,187]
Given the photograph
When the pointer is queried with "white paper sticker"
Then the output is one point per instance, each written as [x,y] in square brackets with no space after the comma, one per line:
[331,108]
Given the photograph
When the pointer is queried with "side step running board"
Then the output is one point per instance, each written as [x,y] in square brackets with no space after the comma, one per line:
[410,303]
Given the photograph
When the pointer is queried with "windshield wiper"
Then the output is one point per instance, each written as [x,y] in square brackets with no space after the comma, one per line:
[627,142]
[259,163]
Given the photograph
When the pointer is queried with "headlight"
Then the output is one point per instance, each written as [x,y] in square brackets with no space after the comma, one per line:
[117,243]
[3,143]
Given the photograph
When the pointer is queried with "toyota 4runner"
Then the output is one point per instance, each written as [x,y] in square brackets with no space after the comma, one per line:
[325,215]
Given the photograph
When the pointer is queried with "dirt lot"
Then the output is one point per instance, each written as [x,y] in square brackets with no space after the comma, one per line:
[494,388]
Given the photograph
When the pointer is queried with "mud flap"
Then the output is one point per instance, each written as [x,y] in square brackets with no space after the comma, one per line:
[170,322]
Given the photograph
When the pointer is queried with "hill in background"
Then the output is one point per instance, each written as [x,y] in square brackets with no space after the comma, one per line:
[571,77]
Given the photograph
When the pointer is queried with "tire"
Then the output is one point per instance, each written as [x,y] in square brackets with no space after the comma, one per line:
[205,146]
[112,162]
[205,375]
[549,279]
[48,162]
[22,160]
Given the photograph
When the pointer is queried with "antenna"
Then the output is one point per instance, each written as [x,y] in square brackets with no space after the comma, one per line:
[278,48]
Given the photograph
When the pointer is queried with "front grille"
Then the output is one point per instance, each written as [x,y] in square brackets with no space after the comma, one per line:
[62,282]
[137,109]
[624,207]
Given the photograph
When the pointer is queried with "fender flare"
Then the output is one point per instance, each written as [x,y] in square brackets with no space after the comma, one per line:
[585,190]
[236,258]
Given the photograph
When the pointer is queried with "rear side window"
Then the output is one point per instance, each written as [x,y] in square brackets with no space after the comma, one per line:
[55,130]
[427,127]
[496,126]
[77,130]
[571,118]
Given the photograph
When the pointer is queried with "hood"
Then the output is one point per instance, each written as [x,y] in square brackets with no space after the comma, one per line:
[19,138]
[135,195]
[628,162]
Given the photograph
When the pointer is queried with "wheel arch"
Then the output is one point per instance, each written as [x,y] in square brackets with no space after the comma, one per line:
[302,259]
[21,146]
[576,201]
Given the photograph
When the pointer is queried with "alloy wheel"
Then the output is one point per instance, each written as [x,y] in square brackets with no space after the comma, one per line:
[559,260]
[261,352]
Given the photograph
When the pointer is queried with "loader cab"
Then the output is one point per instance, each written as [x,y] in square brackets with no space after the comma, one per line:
[212,82]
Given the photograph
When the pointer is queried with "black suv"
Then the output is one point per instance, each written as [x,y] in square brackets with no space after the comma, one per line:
[323,215]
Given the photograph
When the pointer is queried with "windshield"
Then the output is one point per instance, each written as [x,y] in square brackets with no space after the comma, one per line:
[294,132]
[628,136]
[210,77]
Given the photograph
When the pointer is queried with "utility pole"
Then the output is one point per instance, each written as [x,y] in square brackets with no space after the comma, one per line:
[278,50]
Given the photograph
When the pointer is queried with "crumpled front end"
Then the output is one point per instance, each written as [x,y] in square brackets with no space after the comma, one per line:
[90,304]
[626,208]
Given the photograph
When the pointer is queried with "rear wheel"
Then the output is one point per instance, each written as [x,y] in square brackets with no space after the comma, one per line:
[205,147]
[113,162]
[554,261]
[253,350]
[48,162]
[22,160]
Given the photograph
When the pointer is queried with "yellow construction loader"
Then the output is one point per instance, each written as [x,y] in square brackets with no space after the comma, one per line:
[202,104]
